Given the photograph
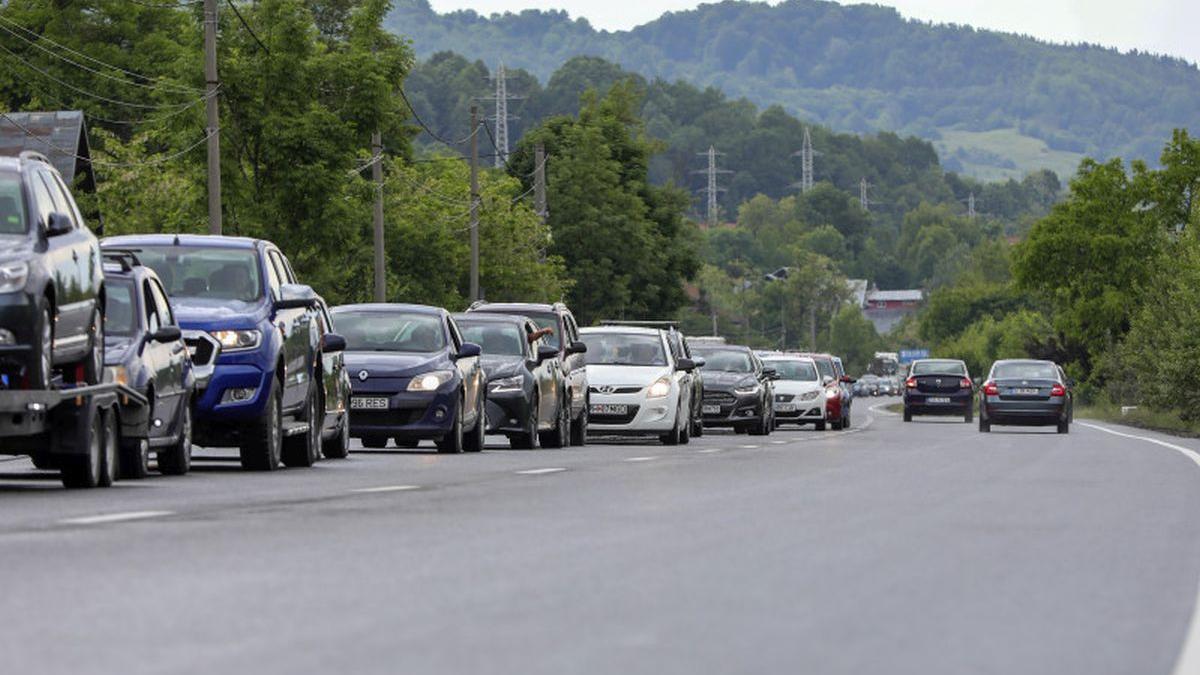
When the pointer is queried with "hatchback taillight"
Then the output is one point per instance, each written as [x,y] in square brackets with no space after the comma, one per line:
[911,383]
[1058,390]
[990,389]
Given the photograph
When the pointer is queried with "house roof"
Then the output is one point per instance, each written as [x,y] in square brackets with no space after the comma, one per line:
[59,135]
[914,295]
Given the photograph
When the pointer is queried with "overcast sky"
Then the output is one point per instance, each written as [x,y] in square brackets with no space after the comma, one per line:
[1161,26]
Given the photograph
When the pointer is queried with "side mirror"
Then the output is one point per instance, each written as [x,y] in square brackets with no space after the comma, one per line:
[59,224]
[771,372]
[296,296]
[167,334]
[545,353]
[686,365]
[332,343]
[469,350]
[576,348]
[699,361]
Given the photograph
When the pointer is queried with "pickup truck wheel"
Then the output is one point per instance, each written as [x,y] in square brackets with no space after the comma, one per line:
[262,452]
[452,442]
[303,449]
[135,458]
[42,367]
[176,459]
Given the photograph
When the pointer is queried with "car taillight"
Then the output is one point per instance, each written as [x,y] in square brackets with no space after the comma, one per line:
[964,384]
[990,389]
[1058,390]
[911,383]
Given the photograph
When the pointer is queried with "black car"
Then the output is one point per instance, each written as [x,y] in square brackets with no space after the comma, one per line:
[145,350]
[335,395]
[1026,393]
[939,387]
[738,389]
[51,280]
[526,391]
[413,377]
[564,338]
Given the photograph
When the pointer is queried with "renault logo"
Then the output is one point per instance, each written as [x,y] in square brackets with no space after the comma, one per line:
[363,375]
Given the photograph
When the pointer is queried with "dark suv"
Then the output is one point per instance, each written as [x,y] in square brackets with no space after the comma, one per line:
[255,341]
[564,339]
[51,280]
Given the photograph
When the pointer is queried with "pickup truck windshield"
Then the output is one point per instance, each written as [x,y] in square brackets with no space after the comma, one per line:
[390,331]
[205,272]
[506,339]
[12,205]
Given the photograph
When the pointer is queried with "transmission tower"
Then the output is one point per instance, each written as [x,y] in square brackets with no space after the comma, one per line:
[863,200]
[806,162]
[501,118]
[971,206]
[712,214]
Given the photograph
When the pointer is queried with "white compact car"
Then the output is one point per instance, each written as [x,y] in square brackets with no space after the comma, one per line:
[799,392]
[633,387]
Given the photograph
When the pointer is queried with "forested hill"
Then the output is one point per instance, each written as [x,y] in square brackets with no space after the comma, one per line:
[995,104]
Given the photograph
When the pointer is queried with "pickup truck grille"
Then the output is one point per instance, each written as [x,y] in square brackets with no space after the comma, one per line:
[202,348]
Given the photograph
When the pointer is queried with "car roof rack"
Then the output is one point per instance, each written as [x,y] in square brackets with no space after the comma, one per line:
[125,257]
[35,156]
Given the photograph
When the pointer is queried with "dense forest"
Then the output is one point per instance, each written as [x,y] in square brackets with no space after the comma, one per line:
[859,68]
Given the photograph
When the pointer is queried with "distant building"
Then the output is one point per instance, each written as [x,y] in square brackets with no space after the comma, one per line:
[59,135]
[886,309]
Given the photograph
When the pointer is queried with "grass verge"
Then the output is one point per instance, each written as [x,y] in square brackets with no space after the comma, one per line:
[1166,421]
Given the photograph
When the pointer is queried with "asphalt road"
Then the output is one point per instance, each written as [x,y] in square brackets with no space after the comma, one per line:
[891,548]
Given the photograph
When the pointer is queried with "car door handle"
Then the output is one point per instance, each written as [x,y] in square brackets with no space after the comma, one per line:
[75,256]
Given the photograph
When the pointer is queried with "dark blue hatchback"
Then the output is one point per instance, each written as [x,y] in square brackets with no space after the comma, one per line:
[412,377]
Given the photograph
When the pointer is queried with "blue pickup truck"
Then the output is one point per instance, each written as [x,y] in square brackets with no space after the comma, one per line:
[255,341]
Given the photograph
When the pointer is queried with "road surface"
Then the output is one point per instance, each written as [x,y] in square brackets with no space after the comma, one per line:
[891,548]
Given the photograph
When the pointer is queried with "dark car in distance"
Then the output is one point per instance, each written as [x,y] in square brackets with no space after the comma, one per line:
[738,389]
[564,337]
[51,280]
[1026,393]
[939,387]
[144,347]
[526,392]
[413,377]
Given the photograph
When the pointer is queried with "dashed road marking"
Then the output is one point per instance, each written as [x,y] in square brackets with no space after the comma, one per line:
[385,488]
[540,472]
[115,517]
[709,451]
[640,459]
[779,442]
[748,447]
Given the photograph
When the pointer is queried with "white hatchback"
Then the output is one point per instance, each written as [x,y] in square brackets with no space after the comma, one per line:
[799,392]
[632,387]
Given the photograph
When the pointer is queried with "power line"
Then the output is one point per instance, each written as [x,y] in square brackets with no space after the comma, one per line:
[502,160]
[451,144]
[95,162]
[246,25]
[42,38]
[166,5]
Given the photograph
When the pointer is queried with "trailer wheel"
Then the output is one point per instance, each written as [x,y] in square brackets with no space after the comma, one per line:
[82,470]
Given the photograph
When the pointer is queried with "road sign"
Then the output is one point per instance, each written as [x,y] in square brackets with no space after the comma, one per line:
[910,355]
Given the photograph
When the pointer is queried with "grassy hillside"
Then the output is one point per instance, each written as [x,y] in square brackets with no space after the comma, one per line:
[864,68]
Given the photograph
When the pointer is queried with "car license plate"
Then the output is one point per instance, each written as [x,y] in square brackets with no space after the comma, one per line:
[785,407]
[1027,392]
[369,403]
[609,409]
[938,399]
[711,409]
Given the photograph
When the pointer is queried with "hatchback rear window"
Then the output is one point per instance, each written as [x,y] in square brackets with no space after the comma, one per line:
[12,205]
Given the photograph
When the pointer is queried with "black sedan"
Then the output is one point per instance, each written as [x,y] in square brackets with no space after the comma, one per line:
[738,389]
[939,387]
[145,349]
[1026,393]
[526,395]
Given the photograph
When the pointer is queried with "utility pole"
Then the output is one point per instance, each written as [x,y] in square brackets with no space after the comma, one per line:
[971,205]
[377,177]
[539,182]
[501,98]
[863,200]
[712,212]
[474,203]
[214,122]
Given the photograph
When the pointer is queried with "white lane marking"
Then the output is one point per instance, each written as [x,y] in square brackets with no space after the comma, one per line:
[641,459]
[709,451]
[115,517]
[385,488]
[880,408]
[748,447]
[540,472]
[1188,661]
[779,442]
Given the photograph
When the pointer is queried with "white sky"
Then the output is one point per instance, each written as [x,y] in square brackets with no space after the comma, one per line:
[1160,26]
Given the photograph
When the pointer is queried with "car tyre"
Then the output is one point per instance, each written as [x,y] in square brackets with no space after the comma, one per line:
[375,442]
[672,436]
[560,435]
[579,427]
[301,450]
[338,447]
[1064,427]
[969,414]
[527,439]
[820,426]
[83,470]
[452,442]
[907,414]
[42,368]
[176,459]
[263,451]
[984,425]
[475,442]
[135,458]
[93,363]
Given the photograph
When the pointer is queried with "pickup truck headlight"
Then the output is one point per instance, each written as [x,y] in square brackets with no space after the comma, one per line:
[430,381]
[13,276]
[750,390]
[660,388]
[237,340]
[506,385]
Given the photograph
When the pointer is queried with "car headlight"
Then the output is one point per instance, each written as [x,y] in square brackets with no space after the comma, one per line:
[660,388]
[13,276]
[747,391]
[832,393]
[237,340]
[809,395]
[430,381]
[505,385]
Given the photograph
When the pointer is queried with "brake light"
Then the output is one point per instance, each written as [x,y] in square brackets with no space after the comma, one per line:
[911,383]
[990,389]
[964,383]
[1058,390]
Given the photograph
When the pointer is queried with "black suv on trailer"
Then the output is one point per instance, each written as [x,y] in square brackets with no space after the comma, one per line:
[51,280]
